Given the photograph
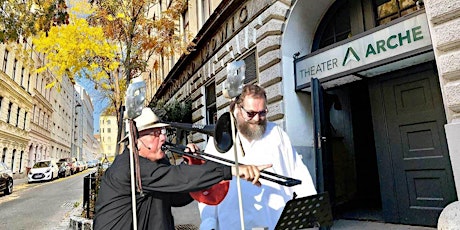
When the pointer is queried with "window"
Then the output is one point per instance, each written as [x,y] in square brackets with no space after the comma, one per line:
[388,10]
[15,64]
[251,68]
[5,61]
[185,24]
[108,122]
[334,27]
[12,160]
[206,10]
[20,161]
[25,118]
[28,83]
[109,130]
[17,116]
[211,109]
[4,155]
[22,77]
[10,106]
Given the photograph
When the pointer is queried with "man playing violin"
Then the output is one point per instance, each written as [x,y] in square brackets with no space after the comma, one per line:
[258,142]
[164,185]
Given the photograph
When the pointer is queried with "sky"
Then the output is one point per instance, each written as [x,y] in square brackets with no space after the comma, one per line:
[98,105]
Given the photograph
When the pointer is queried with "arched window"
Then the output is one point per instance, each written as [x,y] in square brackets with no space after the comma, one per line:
[334,27]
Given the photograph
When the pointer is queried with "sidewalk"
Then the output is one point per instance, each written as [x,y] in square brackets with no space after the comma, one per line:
[189,216]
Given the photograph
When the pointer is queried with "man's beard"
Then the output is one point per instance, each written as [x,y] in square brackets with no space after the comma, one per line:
[251,130]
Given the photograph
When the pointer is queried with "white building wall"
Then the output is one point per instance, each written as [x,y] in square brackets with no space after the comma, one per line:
[444,22]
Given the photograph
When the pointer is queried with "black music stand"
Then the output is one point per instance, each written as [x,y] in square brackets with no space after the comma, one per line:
[306,212]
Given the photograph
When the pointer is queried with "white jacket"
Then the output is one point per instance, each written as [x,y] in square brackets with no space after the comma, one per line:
[262,206]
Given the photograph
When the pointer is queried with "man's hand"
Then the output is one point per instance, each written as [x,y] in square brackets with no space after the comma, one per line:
[250,172]
[191,147]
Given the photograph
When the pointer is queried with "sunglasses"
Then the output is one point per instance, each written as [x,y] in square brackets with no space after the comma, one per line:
[252,114]
[157,132]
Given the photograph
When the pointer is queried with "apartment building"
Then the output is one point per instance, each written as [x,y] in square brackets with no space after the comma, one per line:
[16,105]
[38,122]
[366,89]
[108,136]
[87,145]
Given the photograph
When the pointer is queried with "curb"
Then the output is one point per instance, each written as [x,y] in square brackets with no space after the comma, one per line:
[77,222]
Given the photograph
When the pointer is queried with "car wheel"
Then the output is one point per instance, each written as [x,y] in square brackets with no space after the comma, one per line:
[9,188]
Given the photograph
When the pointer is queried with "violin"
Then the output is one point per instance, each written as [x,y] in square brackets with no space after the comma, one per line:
[216,193]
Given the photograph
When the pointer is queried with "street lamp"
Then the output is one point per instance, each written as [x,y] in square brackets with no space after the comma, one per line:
[74,125]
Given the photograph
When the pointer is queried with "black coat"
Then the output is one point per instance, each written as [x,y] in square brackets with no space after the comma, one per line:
[164,186]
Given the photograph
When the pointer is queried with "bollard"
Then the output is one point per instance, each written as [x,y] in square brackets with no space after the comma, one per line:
[450,217]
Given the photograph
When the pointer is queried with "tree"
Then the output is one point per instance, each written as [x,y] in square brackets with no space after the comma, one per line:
[25,18]
[140,33]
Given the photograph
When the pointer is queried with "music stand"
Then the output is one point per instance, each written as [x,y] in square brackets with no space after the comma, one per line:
[306,212]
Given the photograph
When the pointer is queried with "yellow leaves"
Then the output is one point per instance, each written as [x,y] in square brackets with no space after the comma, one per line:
[80,8]
[50,85]
[71,49]
[110,18]
[121,15]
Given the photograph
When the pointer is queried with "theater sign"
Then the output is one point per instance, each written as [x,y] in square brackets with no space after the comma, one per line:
[373,50]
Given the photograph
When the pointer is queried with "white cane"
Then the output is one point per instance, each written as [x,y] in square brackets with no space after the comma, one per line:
[135,97]
[232,87]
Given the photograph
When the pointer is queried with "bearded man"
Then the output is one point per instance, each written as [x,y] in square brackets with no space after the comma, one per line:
[258,142]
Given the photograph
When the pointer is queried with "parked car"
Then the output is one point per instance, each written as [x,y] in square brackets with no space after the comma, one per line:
[92,163]
[43,170]
[80,166]
[71,162]
[64,169]
[6,179]
[84,165]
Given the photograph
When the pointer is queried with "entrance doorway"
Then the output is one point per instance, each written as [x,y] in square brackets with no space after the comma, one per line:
[388,149]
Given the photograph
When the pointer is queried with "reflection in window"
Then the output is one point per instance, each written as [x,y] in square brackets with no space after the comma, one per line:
[388,10]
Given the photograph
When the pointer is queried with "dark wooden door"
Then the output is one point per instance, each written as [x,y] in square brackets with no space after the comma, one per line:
[413,159]
[321,127]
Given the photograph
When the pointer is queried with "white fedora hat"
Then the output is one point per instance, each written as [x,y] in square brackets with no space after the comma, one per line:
[147,120]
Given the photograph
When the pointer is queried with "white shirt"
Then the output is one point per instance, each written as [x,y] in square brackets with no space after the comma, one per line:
[262,206]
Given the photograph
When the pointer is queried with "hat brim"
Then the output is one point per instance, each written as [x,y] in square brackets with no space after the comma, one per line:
[156,125]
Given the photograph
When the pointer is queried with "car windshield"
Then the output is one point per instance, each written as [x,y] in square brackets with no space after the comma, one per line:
[42,164]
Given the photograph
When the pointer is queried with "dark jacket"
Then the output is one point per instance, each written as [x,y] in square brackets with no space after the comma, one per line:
[164,186]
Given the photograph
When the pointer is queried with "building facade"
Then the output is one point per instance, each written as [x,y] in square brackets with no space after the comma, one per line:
[15,110]
[108,136]
[368,91]
[38,122]
[41,115]
[86,142]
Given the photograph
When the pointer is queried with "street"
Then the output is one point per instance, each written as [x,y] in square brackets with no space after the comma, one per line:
[43,205]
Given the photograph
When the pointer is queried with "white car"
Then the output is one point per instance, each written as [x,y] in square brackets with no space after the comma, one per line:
[43,170]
